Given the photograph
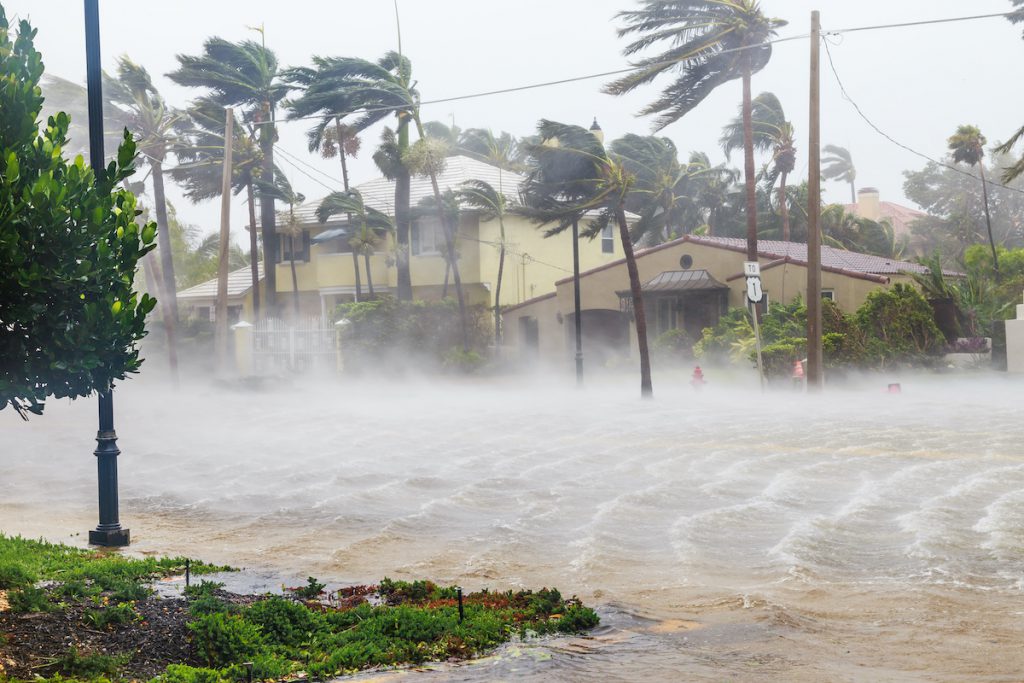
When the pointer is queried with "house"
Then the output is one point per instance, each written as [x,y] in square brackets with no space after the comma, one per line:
[687,284]
[325,270]
[901,218]
[200,302]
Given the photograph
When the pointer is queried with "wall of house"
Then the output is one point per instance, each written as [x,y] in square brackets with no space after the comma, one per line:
[550,326]
[533,263]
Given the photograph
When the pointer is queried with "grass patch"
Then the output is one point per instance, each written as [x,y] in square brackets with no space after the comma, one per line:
[325,635]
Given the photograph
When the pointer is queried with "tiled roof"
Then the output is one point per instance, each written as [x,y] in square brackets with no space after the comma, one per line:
[831,257]
[682,280]
[899,216]
[239,283]
[380,193]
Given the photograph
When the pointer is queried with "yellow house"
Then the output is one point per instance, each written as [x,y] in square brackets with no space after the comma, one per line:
[200,302]
[325,270]
[687,284]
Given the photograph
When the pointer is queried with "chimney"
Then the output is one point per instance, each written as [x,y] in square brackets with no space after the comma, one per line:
[868,204]
[596,130]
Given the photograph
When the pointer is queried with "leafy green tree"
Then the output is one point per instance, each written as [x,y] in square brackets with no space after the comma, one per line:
[572,176]
[968,146]
[837,164]
[845,230]
[283,191]
[773,134]
[491,204]
[245,75]
[502,150]
[69,248]
[370,221]
[1016,169]
[663,193]
[711,42]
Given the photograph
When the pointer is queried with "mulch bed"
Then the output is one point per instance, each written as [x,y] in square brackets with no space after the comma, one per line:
[30,643]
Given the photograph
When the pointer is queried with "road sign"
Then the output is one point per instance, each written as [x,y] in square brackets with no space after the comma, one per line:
[752,269]
[754,291]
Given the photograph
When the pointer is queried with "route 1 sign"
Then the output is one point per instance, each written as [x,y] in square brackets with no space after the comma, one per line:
[752,269]
[754,292]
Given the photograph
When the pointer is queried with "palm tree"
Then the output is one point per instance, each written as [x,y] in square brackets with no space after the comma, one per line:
[200,169]
[323,96]
[772,133]
[573,175]
[837,164]
[498,150]
[370,220]
[282,190]
[341,87]
[662,193]
[491,204]
[968,146]
[245,75]
[156,127]
[711,42]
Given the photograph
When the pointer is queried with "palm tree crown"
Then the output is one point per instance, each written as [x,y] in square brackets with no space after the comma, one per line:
[837,164]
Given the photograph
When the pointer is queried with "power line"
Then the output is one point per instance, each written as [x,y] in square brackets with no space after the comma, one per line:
[300,170]
[924,22]
[896,142]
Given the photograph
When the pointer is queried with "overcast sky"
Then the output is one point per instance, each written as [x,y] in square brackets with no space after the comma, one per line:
[916,83]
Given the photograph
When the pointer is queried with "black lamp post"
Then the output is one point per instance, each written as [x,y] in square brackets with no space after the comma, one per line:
[108,532]
[576,298]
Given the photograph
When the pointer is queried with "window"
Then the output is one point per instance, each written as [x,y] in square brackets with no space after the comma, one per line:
[829,294]
[427,237]
[607,240]
[285,244]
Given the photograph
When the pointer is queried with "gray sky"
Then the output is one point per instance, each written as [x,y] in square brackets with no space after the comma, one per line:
[916,83]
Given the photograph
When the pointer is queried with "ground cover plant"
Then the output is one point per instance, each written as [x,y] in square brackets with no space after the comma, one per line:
[91,616]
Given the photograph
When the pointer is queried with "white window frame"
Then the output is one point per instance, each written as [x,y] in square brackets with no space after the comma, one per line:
[424,227]
[608,239]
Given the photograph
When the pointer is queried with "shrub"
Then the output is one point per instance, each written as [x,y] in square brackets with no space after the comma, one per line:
[109,616]
[282,621]
[29,599]
[181,673]
[222,639]
[89,666]
[902,320]
[312,590]
[673,345]
[14,575]
[202,589]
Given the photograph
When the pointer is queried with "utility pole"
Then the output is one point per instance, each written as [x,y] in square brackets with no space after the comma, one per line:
[814,351]
[108,532]
[576,299]
[221,331]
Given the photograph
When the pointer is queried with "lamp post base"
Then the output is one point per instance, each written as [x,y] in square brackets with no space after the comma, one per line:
[112,538]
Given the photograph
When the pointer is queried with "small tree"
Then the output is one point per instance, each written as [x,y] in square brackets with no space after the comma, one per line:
[70,318]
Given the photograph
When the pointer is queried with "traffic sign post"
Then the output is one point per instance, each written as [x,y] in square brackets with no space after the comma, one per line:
[752,271]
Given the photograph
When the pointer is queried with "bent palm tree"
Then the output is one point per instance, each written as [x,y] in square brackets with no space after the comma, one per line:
[572,175]
[837,164]
[712,42]
[968,146]
[772,133]
[480,196]
[370,220]
[246,75]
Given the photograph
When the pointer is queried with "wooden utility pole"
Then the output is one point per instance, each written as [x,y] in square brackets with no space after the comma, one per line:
[814,352]
[221,330]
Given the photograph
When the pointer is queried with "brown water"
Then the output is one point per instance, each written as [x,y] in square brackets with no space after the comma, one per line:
[724,535]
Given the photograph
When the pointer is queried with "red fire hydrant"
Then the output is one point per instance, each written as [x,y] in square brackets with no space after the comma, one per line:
[798,373]
[697,381]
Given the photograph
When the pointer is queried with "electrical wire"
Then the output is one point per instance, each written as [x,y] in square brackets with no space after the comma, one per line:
[896,142]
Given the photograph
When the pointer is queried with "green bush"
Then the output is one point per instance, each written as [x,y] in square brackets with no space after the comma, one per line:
[222,639]
[29,599]
[181,673]
[202,589]
[283,622]
[14,575]
[109,616]
[673,345]
[387,335]
[903,322]
[265,667]
[89,666]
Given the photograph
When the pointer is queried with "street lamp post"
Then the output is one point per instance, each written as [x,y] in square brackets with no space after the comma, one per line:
[108,532]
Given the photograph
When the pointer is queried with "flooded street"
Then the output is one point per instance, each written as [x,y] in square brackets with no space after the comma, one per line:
[723,534]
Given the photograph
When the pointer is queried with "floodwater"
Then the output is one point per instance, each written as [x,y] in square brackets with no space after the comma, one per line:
[723,534]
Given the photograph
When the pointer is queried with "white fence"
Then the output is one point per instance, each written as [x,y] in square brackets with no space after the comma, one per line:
[294,346]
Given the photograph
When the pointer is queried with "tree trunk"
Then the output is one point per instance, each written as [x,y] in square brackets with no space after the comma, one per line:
[170,289]
[853,194]
[402,219]
[254,254]
[784,208]
[646,389]
[355,269]
[449,241]
[169,329]
[268,218]
[295,279]
[447,270]
[497,286]
[344,180]
[988,220]
[369,275]
[748,170]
